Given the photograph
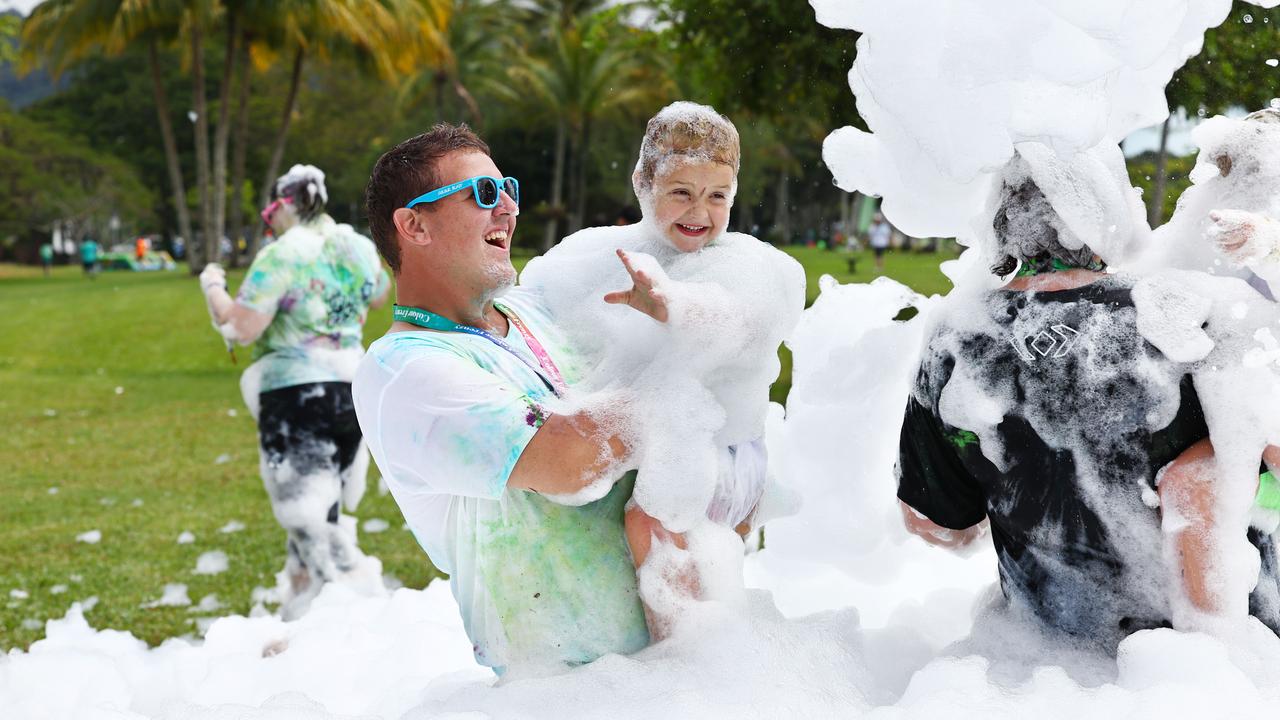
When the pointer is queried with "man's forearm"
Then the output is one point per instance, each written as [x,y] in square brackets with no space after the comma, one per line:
[220,305]
[1187,505]
[566,455]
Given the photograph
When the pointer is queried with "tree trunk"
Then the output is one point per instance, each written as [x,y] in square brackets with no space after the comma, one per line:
[438,81]
[222,132]
[207,249]
[170,147]
[550,237]
[469,101]
[782,212]
[1155,212]
[746,217]
[241,148]
[277,153]
[577,219]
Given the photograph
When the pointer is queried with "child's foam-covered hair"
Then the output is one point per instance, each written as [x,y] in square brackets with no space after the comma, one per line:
[689,131]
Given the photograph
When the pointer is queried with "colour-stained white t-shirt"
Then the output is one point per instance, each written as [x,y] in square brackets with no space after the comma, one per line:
[446,416]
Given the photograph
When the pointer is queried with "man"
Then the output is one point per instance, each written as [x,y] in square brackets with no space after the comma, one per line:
[303,305]
[89,257]
[459,402]
[879,235]
[46,258]
[1041,409]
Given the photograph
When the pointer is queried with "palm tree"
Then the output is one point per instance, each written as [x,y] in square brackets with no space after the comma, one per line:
[9,26]
[462,47]
[593,69]
[377,33]
[62,33]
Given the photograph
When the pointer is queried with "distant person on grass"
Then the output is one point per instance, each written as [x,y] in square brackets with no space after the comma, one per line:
[46,258]
[878,236]
[89,257]
[303,305]
[460,404]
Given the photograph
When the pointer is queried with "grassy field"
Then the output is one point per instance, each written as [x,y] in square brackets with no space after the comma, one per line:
[123,415]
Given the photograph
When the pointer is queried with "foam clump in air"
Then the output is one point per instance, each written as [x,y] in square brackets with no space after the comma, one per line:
[949,89]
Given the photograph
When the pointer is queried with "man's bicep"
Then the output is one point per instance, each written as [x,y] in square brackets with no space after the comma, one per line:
[932,479]
[247,324]
[566,455]
[454,428]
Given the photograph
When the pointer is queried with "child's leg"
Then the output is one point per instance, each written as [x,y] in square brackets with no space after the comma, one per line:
[645,534]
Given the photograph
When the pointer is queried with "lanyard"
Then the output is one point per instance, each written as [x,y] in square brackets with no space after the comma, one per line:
[431,321]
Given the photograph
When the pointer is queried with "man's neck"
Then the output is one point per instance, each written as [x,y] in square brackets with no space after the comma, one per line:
[475,312]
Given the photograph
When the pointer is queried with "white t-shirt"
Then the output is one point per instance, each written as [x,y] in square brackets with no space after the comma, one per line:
[446,416]
[880,233]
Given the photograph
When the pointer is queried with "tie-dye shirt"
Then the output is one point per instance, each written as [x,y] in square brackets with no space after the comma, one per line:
[447,416]
[317,281]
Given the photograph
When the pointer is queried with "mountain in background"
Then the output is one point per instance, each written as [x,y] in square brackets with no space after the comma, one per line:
[20,92]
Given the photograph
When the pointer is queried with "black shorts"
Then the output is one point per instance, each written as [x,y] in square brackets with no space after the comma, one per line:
[879,251]
[313,426]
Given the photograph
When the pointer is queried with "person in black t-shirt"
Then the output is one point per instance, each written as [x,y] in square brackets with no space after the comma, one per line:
[1041,409]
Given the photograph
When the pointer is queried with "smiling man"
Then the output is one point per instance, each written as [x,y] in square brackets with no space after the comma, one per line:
[460,404]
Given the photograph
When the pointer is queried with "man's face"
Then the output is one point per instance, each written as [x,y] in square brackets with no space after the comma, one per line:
[691,203]
[281,216]
[470,244]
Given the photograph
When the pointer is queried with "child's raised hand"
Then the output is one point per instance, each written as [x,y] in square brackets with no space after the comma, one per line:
[1243,236]
[644,294]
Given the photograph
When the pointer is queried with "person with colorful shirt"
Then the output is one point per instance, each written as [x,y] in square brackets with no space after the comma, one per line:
[89,257]
[461,402]
[302,305]
[46,258]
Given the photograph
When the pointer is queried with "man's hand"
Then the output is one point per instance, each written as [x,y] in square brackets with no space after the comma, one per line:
[645,294]
[1244,237]
[234,322]
[935,534]
[213,276]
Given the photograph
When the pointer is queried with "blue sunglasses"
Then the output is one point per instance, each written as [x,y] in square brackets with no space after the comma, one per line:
[484,187]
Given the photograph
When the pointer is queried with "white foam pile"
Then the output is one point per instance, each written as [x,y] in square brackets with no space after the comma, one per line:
[1235,174]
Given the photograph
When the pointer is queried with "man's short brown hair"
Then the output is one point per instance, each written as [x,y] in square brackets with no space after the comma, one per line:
[685,129]
[406,171]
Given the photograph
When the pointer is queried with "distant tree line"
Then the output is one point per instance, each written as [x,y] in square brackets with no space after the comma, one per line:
[202,103]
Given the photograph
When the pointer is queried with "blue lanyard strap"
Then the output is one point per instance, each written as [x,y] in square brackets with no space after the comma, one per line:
[548,373]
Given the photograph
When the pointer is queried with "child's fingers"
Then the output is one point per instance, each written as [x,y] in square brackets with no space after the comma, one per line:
[626,262]
[620,297]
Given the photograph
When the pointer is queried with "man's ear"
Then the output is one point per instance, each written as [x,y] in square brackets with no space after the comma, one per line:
[411,226]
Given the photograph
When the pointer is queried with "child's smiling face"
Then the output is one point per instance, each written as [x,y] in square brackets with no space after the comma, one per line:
[691,203]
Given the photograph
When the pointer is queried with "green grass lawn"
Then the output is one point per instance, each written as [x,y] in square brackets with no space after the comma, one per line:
[123,414]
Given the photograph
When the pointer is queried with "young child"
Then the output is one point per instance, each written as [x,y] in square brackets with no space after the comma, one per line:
[696,381]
